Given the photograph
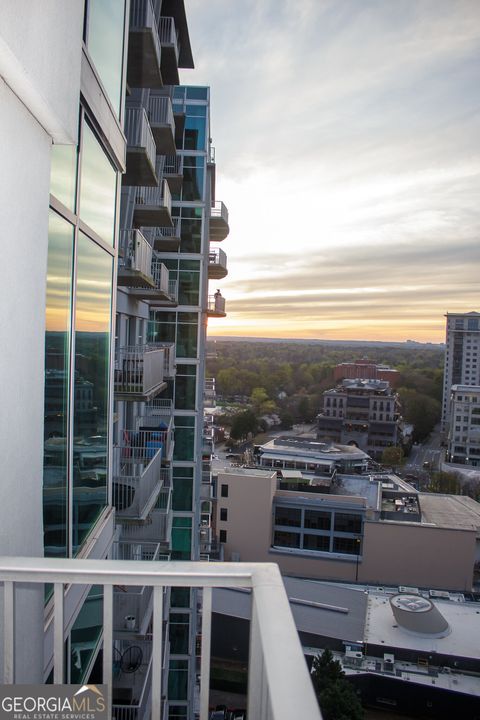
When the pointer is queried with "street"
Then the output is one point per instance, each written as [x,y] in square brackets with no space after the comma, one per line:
[429,451]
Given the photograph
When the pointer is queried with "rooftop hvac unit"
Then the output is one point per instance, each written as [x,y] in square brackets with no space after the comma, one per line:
[409,590]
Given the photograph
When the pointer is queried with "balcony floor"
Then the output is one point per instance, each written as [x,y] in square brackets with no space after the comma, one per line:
[140,170]
[143,69]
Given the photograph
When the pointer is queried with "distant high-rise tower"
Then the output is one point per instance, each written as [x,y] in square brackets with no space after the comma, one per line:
[462,356]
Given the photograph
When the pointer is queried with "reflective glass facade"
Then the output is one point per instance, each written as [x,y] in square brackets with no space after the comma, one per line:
[104,36]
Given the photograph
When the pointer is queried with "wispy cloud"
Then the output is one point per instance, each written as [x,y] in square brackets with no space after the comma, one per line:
[348,155]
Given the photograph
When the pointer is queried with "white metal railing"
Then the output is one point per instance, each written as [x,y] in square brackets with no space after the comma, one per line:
[279,685]
[160,275]
[216,304]
[163,429]
[136,251]
[158,196]
[160,111]
[159,527]
[210,384]
[141,17]
[160,406]
[168,34]
[136,684]
[217,256]
[168,367]
[136,472]
[138,131]
[138,369]
[219,211]
[173,290]
[122,550]
[173,165]
[159,233]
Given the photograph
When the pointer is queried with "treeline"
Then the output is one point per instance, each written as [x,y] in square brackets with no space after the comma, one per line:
[294,377]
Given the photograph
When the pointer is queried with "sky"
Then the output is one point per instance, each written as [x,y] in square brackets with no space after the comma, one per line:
[347,141]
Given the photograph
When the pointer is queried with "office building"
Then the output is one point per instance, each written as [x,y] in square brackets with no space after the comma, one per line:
[464,432]
[365,369]
[462,357]
[323,524]
[365,413]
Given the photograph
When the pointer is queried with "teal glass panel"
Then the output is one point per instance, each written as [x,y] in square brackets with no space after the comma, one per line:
[195,133]
[57,374]
[193,178]
[191,236]
[181,544]
[177,712]
[184,444]
[197,93]
[179,627]
[92,369]
[178,680]
[106,20]
[86,634]
[63,174]
[185,392]
[187,331]
[180,597]
[98,184]
[189,282]
[182,494]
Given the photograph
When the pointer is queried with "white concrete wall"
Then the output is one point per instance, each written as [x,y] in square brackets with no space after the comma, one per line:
[40,59]
[40,56]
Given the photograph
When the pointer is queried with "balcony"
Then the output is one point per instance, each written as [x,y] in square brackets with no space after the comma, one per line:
[153,206]
[279,685]
[217,264]
[164,239]
[163,292]
[137,479]
[141,150]
[173,172]
[134,261]
[170,51]
[138,372]
[162,427]
[164,405]
[218,222]
[216,306]
[159,526]
[144,50]
[162,122]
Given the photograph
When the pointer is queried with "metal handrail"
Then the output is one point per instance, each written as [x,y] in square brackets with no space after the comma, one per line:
[168,34]
[217,256]
[279,684]
[138,369]
[158,196]
[160,110]
[142,16]
[136,251]
[219,210]
[173,165]
[138,131]
[216,303]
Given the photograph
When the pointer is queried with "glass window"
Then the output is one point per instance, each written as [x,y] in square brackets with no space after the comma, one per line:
[286,539]
[184,438]
[63,174]
[316,542]
[193,177]
[105,44]
[224,514]
[288,516]
[317,520]
[191,231]
[57,363]
[98,183]
[348,523]
[179,633]
[181,538]
[178,680]
[187,331]
[92,363]
[350,546]
[180,597]
[223,536]
[188,282]
[86,633]
[195,133]
[224,490]
[185,387]
[197,93]
[182,489]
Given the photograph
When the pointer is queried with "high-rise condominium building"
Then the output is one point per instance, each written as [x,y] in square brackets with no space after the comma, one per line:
[462,356]
[464,432]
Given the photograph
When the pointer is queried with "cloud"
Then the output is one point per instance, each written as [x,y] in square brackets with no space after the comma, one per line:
[347,148]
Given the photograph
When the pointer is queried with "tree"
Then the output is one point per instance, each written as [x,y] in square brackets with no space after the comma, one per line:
[392,456]
[243,423]
[336,696]
[445,482]
[261,403]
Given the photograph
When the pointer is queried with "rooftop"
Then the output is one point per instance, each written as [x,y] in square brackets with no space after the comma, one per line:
[310,447]
[454,511]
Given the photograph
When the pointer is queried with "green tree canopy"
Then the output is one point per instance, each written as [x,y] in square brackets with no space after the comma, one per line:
[392,456]
[336,696]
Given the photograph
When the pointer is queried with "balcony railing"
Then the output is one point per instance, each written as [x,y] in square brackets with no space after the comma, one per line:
[219,227]
[170,50]
[141,149]
[159,526]
[217,264]
[216,306]
[153,206]
[144,50]
[160,114]
[135,261]
[164,239]
[137,479]
[164,405]
[138,372]
[122,550]
[163,429]
[279,685]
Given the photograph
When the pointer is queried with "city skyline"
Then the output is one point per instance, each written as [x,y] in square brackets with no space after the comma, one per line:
[350,168]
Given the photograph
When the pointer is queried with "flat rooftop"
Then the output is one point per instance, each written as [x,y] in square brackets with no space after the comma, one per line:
[302,446]
[463,618]
[453,511]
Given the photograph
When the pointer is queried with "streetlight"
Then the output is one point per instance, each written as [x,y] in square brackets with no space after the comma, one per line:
[358,555]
